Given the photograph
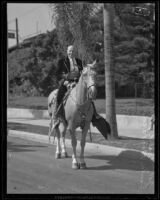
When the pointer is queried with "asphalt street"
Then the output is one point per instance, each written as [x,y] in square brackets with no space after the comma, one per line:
[32,169]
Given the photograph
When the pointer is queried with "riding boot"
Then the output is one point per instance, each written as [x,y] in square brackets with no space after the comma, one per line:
[59,108]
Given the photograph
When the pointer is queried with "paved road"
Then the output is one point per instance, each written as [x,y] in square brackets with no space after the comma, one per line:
[32,168]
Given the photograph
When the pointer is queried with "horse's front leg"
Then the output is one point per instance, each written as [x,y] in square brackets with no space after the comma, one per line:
[83,142]
[62,128]
[75,164]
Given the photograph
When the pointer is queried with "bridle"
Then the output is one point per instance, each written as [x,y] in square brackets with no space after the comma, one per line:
[91,74]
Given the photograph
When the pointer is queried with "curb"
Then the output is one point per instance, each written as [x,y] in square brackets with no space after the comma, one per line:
[89,146]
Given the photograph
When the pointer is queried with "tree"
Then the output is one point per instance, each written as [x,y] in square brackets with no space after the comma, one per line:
[108,10]
[46,52]
[134,49]
[16,66]
[32,69]
[72,21]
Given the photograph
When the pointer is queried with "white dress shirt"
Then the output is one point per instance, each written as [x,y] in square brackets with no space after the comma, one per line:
[73,64]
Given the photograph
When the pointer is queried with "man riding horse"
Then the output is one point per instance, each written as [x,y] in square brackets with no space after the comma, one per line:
[68,71]
[79,109]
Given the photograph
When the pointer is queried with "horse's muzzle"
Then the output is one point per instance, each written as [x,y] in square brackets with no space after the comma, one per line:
[92,92]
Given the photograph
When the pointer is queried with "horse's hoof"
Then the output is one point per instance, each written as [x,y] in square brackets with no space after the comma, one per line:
[58,155]
[64,154]
[75,166]
[83,166]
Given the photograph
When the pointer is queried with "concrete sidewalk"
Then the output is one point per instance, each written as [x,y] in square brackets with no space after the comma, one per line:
[126,132]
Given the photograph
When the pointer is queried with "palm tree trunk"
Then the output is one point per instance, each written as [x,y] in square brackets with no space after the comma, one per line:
[109,68]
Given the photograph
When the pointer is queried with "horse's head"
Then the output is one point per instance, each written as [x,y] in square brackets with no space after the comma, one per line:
[89,77]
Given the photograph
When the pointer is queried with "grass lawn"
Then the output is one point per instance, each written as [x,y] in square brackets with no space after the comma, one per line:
[141,107]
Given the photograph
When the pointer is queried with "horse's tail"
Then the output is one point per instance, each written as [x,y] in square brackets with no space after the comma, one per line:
[51,100]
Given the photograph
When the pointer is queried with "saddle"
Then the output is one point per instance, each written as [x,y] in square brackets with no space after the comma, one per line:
[73,76]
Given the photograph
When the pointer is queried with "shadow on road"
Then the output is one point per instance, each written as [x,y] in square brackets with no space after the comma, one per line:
[11,147]
[128,160]
[28,128]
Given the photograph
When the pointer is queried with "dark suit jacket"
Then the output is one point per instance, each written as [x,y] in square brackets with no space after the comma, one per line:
[64,67]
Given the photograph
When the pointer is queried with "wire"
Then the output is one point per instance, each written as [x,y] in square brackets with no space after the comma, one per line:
[26,13]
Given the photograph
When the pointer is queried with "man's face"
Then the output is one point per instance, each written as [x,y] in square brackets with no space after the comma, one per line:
[70,51]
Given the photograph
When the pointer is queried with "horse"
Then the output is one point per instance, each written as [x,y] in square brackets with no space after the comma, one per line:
[78,113]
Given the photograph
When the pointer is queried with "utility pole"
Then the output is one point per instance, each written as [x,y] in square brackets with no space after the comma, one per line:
[7,67]
[37,27]
[17,37]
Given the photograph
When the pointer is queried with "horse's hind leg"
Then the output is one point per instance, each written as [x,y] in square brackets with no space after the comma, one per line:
[58,147]
[50,130]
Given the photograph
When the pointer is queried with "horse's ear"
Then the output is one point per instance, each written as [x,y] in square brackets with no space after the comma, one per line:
[84,70]
[93,64]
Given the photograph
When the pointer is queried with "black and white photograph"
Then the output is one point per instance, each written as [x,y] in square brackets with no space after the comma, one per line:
[80,99]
